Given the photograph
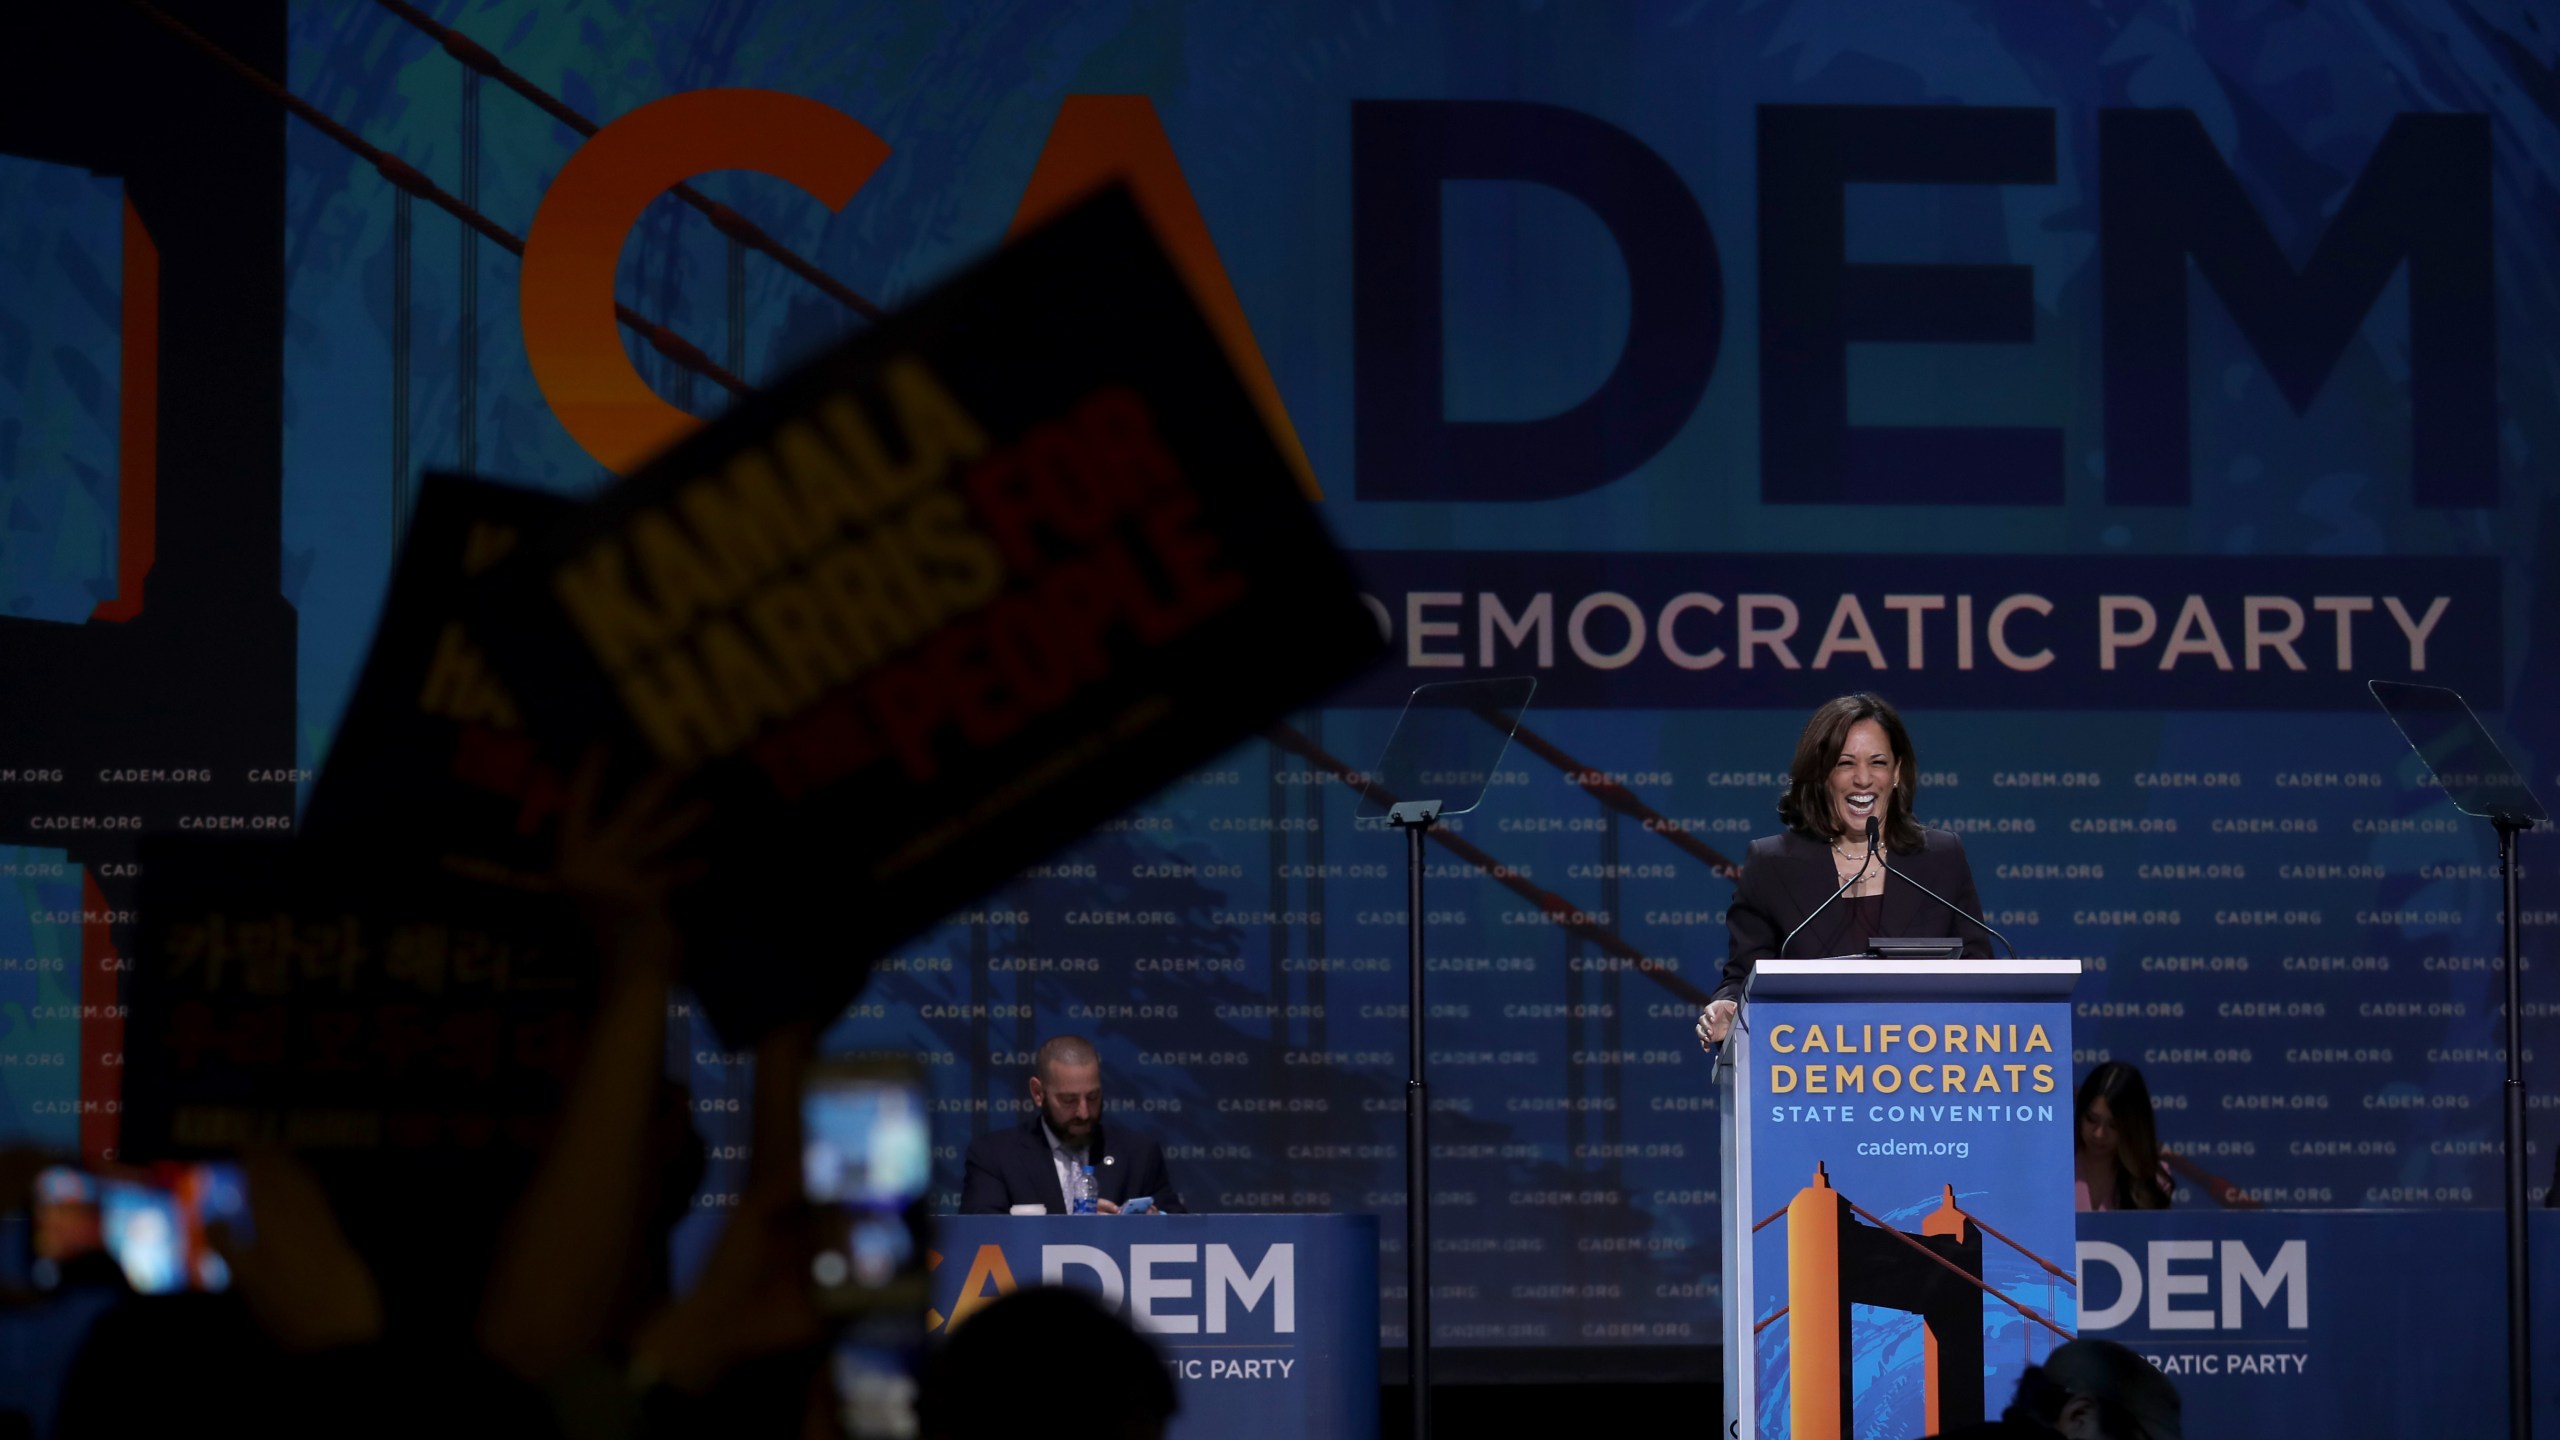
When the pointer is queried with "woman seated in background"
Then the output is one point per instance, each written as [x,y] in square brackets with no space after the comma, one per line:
[2116,1145]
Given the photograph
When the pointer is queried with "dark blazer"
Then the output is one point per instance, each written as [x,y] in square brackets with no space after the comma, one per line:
[1785,876]
[1012,1167]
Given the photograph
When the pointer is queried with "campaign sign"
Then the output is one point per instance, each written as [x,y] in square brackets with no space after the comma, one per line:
[432,759]
[2322,1322]
[935,605]
[1899,1206]
[1269,1323]
[280,999]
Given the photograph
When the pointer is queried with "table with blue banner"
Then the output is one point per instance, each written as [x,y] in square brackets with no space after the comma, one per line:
[1268,1322]
[2324,1322]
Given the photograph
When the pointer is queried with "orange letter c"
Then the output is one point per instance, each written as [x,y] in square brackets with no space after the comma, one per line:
[571,337]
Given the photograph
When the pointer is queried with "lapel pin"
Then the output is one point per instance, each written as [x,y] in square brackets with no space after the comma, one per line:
[1106,1159]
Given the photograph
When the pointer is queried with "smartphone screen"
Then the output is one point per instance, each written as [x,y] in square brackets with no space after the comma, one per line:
[866,1158]
[151,1223]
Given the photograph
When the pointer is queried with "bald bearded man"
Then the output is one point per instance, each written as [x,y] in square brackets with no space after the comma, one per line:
[1028,1165]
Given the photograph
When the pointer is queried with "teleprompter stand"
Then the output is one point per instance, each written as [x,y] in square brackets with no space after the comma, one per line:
[1438,762]
[2483,783]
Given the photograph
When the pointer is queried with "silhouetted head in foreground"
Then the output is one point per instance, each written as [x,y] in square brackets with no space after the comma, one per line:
[1050,1363]
[2096,1390]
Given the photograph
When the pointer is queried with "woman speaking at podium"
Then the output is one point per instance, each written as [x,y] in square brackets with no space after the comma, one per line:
[1851,851]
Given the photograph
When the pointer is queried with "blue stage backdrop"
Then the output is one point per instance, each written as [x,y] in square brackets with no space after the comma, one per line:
[2115,386]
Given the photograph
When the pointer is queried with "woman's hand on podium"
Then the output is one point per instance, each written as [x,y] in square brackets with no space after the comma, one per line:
[1715,1022]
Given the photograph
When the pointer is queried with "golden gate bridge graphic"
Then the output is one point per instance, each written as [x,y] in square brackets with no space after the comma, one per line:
[691,362]
[100,1080]
[1835,1262]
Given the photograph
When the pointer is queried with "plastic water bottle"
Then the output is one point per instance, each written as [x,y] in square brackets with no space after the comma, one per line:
[1082,1202]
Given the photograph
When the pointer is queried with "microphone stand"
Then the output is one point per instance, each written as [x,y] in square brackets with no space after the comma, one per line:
[1716,1051]
[1844,889]
[1959,910]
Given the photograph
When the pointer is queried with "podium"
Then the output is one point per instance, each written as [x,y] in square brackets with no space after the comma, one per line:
[1898,1217]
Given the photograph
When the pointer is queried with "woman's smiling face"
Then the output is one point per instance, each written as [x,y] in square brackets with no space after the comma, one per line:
[1863,778]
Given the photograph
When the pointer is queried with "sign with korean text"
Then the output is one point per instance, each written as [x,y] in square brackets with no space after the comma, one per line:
[279,1001]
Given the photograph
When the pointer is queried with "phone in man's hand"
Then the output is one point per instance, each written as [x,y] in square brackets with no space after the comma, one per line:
[866,1153]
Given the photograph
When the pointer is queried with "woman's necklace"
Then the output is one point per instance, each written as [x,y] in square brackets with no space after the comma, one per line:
[1847,863]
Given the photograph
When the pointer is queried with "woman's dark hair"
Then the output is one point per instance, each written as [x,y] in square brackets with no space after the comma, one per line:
[2137,1134]
[1805,805]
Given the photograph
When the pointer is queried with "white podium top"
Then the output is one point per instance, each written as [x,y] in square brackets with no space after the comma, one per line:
[1862,978]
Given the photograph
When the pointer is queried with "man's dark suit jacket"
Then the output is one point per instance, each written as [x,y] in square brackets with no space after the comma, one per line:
[1784,877]
[1012,1167]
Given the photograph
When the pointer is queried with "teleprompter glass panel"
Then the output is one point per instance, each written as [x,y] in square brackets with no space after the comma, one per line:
[1447,744]
[2457,750]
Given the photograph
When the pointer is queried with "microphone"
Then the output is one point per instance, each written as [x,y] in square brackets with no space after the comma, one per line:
[1844,889]
[1959,911]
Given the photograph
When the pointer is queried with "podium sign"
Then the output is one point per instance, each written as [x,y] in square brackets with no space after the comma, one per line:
[1899,1226]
